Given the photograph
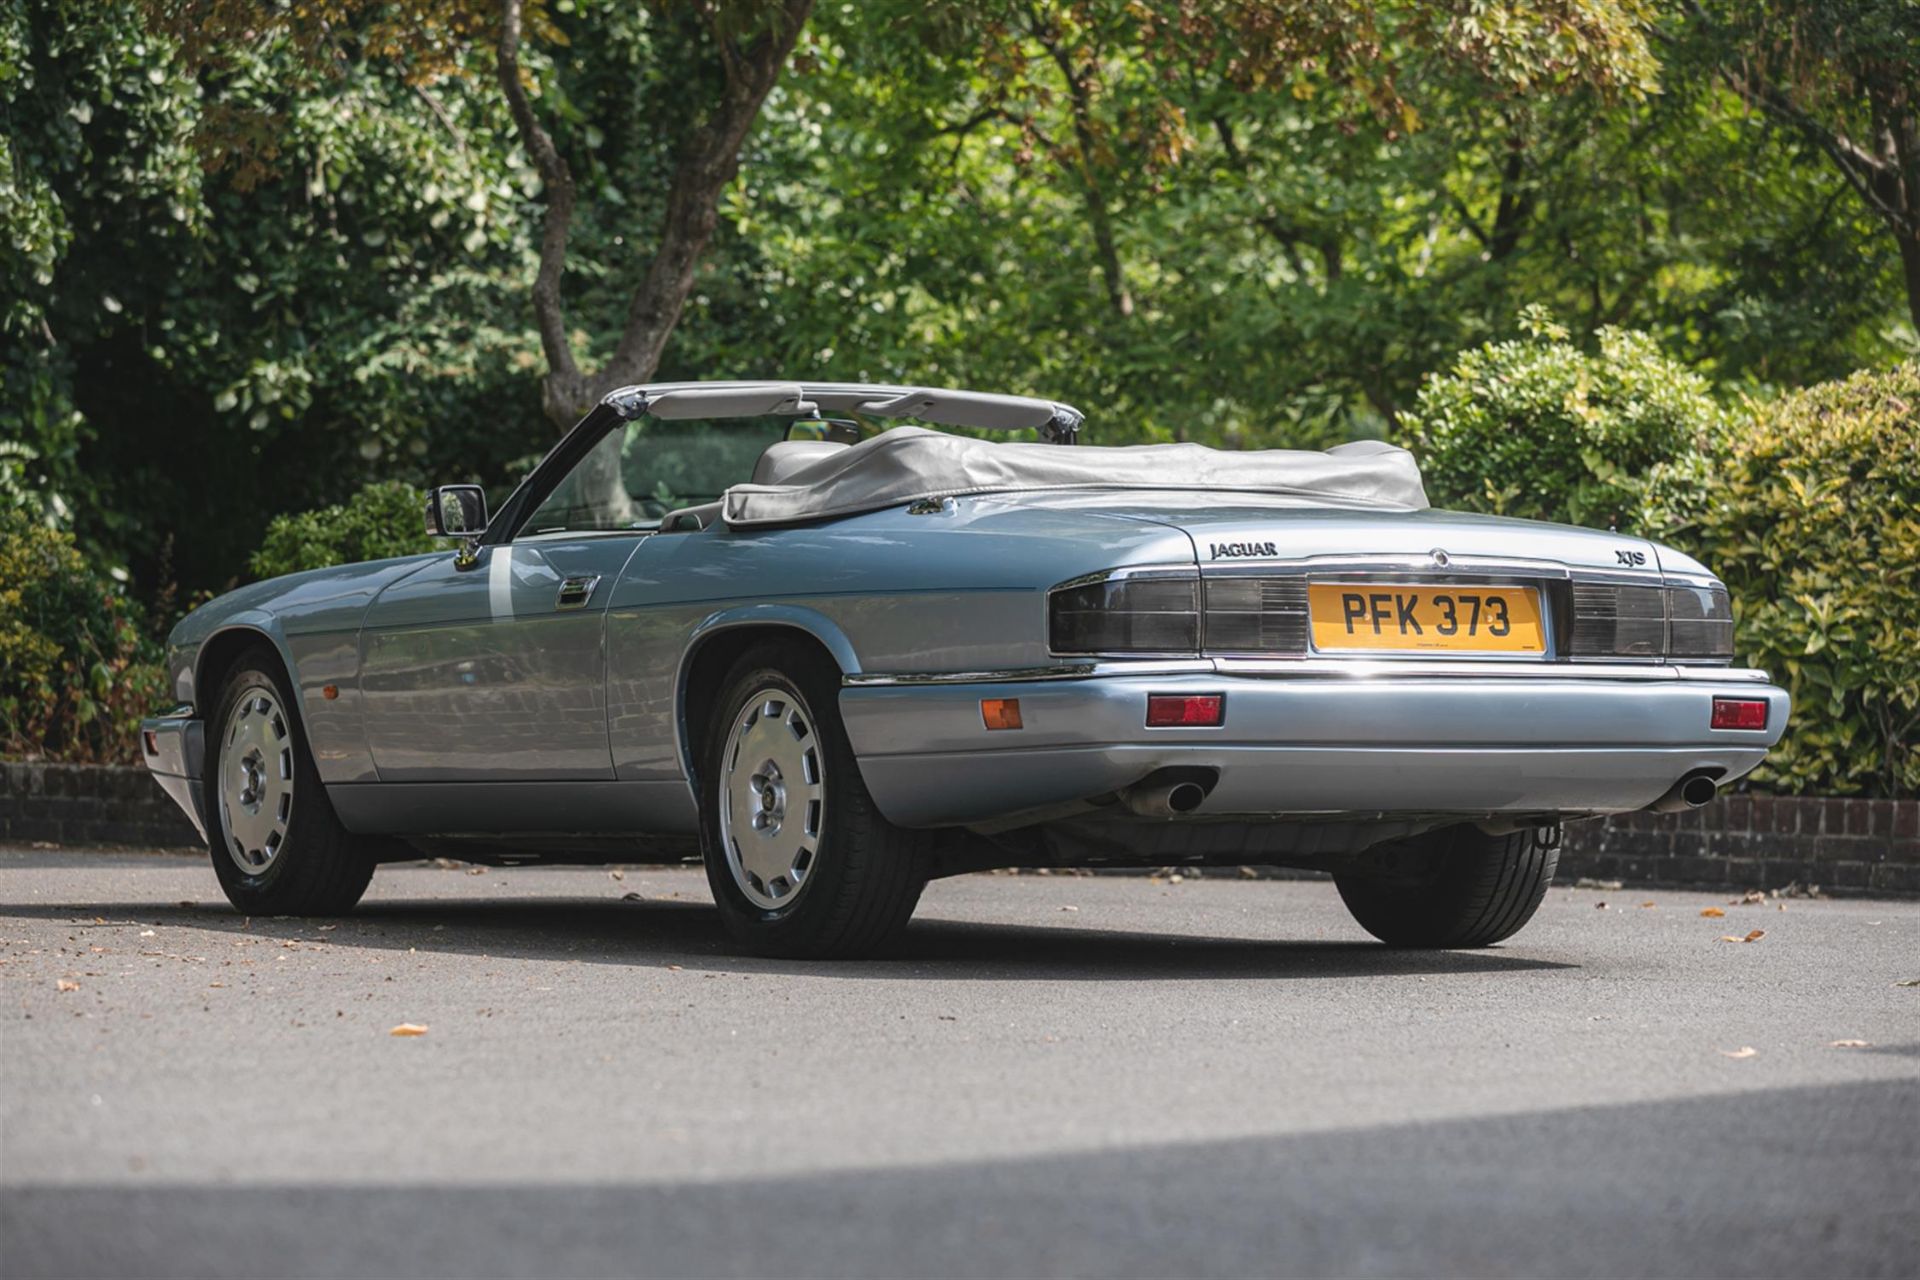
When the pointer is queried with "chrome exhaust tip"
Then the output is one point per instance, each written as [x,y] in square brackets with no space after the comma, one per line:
[1159,796]
[1690,792]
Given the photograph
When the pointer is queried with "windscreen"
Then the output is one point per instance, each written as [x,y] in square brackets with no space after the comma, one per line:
[643,469]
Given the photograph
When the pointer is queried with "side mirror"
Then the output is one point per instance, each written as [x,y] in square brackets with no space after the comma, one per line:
[456,511]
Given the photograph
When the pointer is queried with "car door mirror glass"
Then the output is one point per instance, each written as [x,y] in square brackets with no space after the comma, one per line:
[456,511]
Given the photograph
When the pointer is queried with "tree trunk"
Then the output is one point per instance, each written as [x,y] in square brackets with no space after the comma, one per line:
[707,163]
[1910,269]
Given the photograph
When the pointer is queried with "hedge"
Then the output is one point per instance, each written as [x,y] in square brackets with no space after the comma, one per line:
[1812,516]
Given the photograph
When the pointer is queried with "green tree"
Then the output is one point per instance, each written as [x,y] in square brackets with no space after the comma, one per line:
[1842,78]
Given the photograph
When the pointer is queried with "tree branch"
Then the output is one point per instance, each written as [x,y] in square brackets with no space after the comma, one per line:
[707,164]
[564,387]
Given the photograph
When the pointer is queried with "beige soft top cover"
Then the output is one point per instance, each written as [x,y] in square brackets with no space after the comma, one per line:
[909,463]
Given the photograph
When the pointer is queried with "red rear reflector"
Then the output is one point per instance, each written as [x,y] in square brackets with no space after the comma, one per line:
[1000,713]
[1739,713]
[1165,710]
[151,741]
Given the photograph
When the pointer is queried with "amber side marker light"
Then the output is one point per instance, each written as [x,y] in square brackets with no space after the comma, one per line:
[151,741]
[1739,713]
[1194,710]
[1000,713]
[329,691]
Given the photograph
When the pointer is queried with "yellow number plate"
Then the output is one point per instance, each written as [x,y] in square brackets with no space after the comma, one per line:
[1395,616]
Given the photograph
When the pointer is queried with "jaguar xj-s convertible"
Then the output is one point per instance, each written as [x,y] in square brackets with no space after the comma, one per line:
[838,655]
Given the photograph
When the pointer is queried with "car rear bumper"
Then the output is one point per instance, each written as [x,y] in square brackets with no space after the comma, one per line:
[1307,743]
[174,746]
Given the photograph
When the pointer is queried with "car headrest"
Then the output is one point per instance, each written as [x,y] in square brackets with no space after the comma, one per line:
[782,459]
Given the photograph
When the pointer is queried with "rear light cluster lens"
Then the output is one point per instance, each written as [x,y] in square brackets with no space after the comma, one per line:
[1257,615]
[1699,622]
[1126,615]
[1191,710]
[1650,622]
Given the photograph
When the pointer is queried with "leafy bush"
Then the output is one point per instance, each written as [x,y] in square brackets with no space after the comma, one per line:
[1538,428]
[384,519]
[1813,519]
[77,668]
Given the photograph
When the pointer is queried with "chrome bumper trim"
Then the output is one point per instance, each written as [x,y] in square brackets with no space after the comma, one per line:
[1319,668]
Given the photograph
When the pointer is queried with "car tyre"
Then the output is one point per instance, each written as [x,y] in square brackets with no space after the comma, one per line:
[1465,888]
[801,862]
[278,847]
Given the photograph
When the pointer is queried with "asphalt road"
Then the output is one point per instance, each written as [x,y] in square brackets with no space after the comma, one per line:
[1057,1076]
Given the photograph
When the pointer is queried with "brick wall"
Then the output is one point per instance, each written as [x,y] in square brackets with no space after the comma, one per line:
[1756,842]
[1737,842]
[88,804]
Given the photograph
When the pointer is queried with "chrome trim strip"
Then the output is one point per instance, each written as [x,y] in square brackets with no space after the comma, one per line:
[1075,671]
[1389,563]
[1314,668]
[1128,571]
[1447,667]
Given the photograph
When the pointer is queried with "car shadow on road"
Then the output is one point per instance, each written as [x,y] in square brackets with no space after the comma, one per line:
[1682,1187]
[688,934]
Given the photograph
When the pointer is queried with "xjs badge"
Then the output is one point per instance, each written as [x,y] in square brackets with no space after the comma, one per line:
[1635,558]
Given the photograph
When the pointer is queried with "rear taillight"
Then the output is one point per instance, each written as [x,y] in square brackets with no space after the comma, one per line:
[1615,621]
[1126,614]
[1739,713]
[1699,622]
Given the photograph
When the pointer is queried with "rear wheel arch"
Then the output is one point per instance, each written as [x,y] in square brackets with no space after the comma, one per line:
[712,656]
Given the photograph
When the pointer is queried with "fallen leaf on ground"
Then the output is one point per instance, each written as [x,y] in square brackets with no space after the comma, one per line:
[1744,1051]
[1848,1044]
[617,874]
[1600,906]
[1069,908]
[476,871]
[1908,982]
[674,967]
[631,897]
[1713,913]
[1586,883]
[1755,936]
[64,985]
[408,1029]
[1750,896]
[1645,905]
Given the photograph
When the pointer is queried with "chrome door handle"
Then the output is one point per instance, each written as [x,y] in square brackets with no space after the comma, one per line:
[575,592]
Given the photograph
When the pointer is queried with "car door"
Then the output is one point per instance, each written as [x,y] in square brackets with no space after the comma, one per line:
[495,672]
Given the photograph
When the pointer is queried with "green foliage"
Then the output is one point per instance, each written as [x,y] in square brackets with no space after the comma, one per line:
[77,669]
[381,521]
[189,342]
[1813,520]
[1538,428]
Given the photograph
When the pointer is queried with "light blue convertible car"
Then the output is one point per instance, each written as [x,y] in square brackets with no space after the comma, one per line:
[839,655]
